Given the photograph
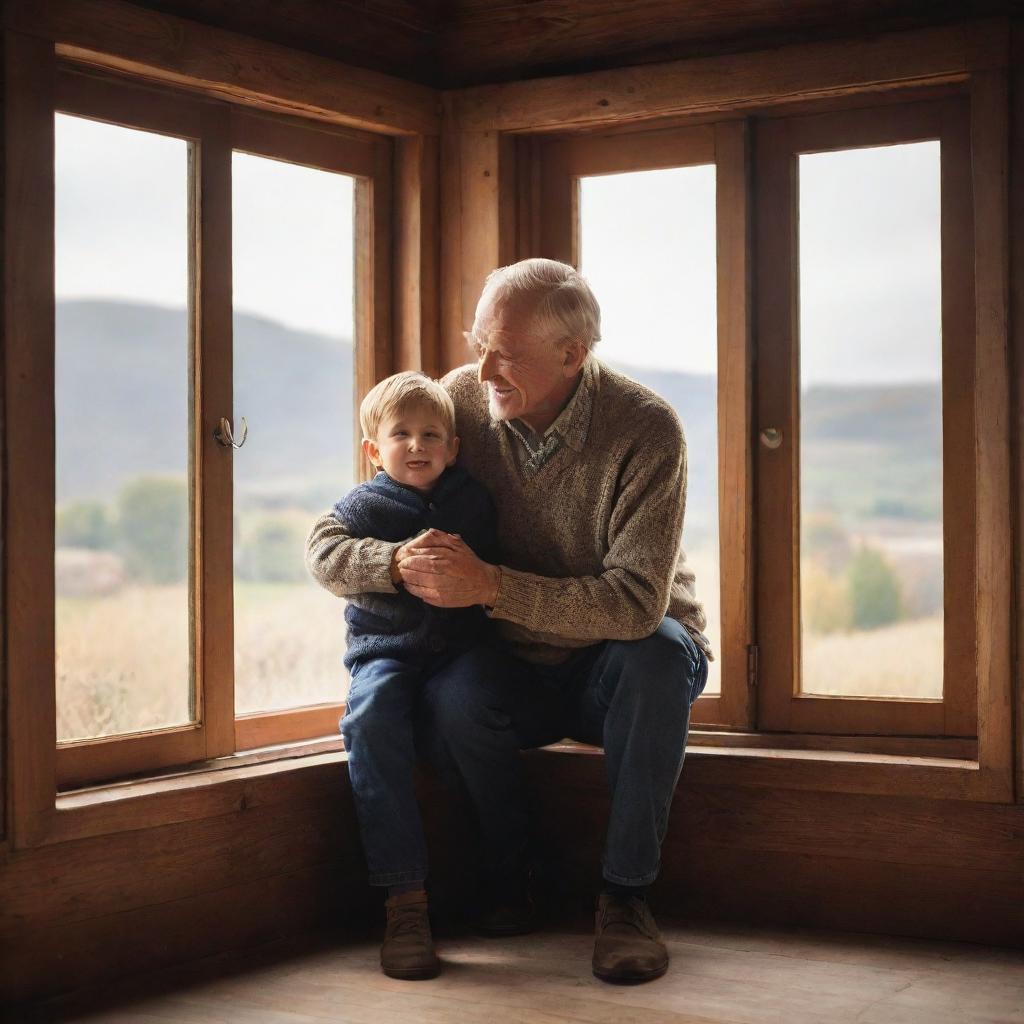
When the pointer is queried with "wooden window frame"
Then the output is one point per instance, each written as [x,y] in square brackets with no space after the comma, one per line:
[979,764]
[564,160]
[783,707]
[214,129]
[368,159]
[479,128]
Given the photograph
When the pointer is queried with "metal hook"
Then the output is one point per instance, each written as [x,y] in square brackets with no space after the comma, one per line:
[225,437]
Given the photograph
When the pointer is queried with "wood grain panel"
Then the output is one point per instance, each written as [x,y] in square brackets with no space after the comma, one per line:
[397,37]
[1017,370]
[721,83]
[211,314]
[735,423]
[282,858]
[123,37]
[452,346]
[484,40]
[990,160]
[45,959]
[29,594]
[417,252]
[480,215]
[471,232]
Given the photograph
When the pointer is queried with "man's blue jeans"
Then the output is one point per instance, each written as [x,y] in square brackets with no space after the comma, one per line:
[475,714]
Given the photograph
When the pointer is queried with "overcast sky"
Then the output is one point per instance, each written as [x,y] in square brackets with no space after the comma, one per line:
[869,241]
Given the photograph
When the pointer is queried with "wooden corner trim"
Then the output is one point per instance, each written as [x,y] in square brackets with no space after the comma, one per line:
[122,37]
[731,81]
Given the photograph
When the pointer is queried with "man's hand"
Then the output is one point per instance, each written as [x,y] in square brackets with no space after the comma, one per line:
[441,569]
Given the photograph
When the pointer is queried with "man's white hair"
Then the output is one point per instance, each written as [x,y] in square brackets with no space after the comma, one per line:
[564,308]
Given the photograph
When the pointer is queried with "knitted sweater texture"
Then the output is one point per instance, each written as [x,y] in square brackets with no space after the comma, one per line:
[398,625]
[590,543]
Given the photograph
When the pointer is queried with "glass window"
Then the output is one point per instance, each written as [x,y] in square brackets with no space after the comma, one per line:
[293,383]
[871,561]
[123,528]
[648,249]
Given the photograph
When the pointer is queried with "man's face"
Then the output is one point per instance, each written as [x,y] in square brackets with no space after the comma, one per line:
[527,377]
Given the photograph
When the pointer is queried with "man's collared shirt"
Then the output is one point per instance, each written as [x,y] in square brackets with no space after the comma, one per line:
[531,451]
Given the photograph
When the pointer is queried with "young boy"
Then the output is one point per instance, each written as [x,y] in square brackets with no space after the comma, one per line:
[396,641]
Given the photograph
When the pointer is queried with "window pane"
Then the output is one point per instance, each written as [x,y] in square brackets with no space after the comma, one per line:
[871,422]
[293,364]
[648,248]
[122,430]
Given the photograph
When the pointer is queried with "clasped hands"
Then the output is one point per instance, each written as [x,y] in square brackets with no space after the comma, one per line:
[442,570]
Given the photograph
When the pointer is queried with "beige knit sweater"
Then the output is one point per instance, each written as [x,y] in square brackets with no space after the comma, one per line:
[590,543]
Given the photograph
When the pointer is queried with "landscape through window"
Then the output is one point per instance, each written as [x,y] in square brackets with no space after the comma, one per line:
[871,559]
[123,650]
[293,382]
[648,249]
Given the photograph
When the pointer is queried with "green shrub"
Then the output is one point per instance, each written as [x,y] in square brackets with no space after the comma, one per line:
[85,524]
[271,551]
[825,604]
[873,590]
[153,528]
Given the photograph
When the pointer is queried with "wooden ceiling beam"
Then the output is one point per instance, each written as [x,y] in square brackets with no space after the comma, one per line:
[122,37]
[732,81]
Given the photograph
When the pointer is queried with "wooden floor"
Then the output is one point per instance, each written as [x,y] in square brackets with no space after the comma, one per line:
[719,973]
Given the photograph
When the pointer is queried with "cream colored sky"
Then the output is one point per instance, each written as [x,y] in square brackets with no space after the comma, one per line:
[868,236]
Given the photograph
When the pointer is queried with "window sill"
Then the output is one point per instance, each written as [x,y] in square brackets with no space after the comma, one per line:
[230,785]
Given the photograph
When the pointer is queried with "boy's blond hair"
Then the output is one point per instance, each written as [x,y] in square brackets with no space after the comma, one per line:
[400,391]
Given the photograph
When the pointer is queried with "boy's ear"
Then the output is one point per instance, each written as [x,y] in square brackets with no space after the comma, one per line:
[372,452]
[454,446]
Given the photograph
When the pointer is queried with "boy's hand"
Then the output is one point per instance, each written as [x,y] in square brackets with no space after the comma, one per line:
[441,569]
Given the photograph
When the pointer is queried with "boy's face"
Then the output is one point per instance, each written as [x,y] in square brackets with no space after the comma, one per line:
[412,447]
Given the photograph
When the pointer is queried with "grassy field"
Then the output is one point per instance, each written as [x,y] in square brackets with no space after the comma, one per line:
[123,660]
[902,660]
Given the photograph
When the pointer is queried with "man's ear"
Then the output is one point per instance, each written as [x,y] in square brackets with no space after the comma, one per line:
[454,452]
[574,357]
[372,452]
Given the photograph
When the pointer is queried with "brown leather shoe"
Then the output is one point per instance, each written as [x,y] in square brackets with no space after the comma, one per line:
[627,944]
[408,950]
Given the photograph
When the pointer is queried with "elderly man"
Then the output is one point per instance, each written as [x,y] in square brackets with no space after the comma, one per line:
[600,635]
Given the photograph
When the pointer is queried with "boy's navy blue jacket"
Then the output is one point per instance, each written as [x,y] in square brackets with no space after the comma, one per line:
[400,625]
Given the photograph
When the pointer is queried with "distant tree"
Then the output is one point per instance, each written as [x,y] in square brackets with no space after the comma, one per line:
[153,528]
[85,524]
[825,540]
[873,590]
[272,551]
[825,604]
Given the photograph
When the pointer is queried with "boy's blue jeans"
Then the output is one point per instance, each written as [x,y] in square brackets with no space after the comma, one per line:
[476,712]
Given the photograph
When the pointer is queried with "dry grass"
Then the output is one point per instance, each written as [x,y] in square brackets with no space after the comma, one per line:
[123,660]
[903,660]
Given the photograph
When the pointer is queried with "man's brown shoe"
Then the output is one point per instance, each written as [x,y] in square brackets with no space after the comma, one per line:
[408,950]
[627,944]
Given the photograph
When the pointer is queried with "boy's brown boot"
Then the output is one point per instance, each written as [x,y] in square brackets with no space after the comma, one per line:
[627,943]
[408,950]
